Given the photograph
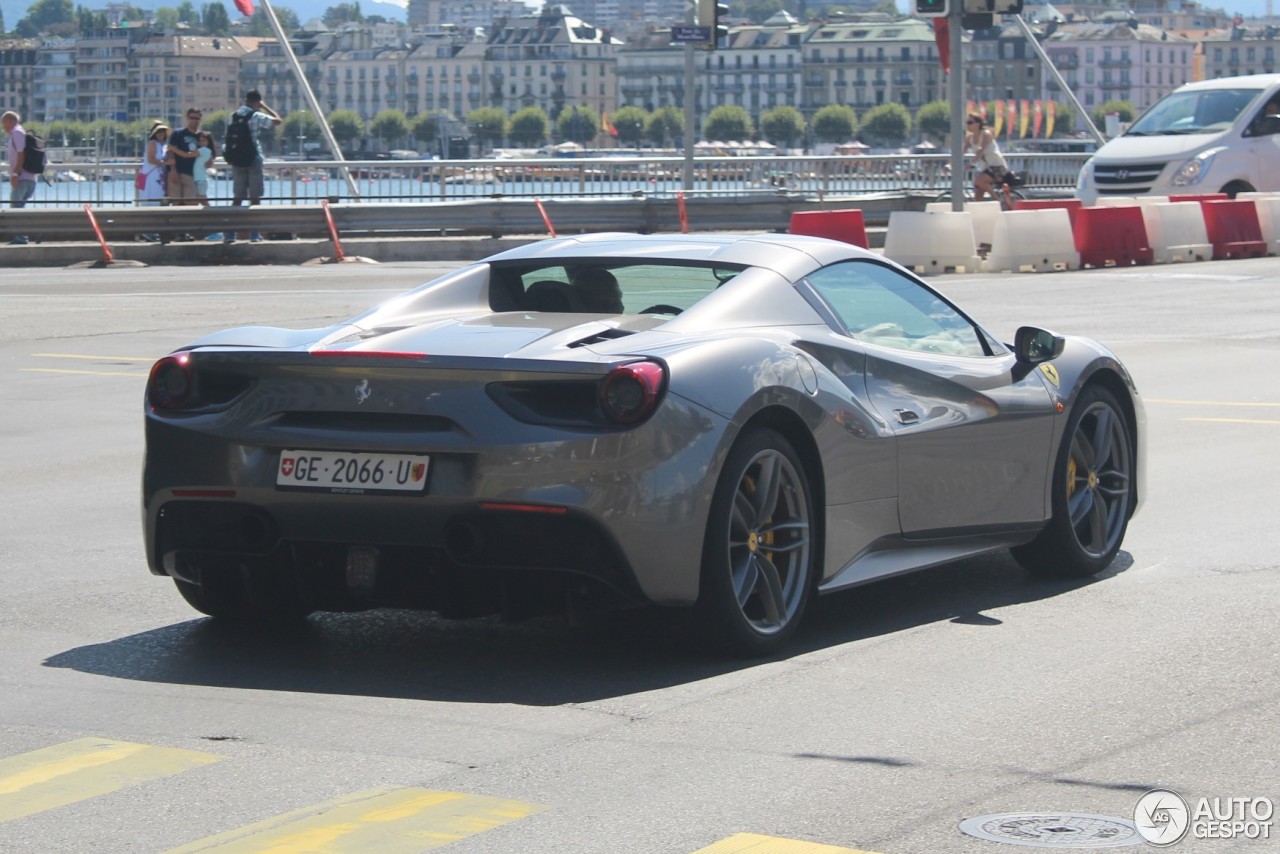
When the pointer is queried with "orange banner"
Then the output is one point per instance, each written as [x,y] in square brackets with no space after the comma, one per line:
[1013,118]
[1050,109]
[1026,119]
[1035,126]
[999,123]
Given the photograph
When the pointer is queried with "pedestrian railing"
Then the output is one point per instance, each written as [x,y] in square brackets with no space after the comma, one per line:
[111,184]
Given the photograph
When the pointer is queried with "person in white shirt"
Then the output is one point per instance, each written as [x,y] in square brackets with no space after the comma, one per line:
[22,183]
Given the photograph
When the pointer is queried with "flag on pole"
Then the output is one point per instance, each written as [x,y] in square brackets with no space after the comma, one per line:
[999,118]
[982,111]
[1049,108]
[1013,119]
[942,38]
[245,7]
[1026,119]
[607,126]
[1035,125]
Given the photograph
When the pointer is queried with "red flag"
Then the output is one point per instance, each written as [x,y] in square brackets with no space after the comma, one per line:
[245,7]
[1039,118]
[607,126]
[1013,119]
[942,37]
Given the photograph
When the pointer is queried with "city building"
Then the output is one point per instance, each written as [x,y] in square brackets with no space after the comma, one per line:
[17,73]
[53,83]
[1243,50]
[1117,61]
[169,74]
[102,73]
[871,60]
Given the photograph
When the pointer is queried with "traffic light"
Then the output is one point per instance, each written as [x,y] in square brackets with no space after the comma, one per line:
[933,8]
[709,15]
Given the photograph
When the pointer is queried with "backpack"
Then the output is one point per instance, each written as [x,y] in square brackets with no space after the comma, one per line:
[238,148]
[34,150]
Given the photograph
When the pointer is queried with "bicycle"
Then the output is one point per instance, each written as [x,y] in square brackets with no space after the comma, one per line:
[1008,190]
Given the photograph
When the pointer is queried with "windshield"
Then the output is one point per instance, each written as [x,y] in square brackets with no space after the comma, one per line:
[1196,111]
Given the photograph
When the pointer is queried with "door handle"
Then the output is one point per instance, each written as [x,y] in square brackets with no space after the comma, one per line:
[906,416]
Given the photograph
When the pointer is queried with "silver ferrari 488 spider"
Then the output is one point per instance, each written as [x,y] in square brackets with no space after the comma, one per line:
[726,423]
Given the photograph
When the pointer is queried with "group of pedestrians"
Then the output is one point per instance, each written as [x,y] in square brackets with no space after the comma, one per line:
[175,165]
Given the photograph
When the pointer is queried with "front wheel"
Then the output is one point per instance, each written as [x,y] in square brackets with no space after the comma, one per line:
[758,556]
[1093,483]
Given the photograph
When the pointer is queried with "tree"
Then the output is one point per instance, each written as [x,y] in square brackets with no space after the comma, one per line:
[665,127]
[578,124]
[389,126]
[347,126]
[299,123]
[165,18]
[529,127]
[728,122]
[214,20]
[887,125]
[934,120]
[487,124]
[835,123]
[216,123]
[343,13]
[630,123]
[187,13]
[260,27]
[782,125]
[42,15]
[756,11]
[1099,114]
[1064,119]
[425,129]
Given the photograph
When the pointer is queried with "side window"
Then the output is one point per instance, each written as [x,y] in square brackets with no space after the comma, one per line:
[880,306]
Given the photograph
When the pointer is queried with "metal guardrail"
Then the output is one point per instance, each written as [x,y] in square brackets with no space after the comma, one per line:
[110,184]
[489,217]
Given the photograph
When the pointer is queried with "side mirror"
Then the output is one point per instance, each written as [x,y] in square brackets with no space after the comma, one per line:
[1033,346]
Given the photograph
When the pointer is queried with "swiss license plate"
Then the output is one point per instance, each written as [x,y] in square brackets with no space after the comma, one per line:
[354,473]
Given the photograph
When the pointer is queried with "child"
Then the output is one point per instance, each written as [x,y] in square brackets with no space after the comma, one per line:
[206,151]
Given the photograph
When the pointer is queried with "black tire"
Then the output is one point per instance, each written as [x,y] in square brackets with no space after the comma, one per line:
[267,597]
[1092,493]
[758,555]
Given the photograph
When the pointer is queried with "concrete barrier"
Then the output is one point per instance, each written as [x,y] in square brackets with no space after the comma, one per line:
[1034,240]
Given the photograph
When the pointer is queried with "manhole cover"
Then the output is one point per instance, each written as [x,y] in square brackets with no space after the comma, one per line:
[1053,830]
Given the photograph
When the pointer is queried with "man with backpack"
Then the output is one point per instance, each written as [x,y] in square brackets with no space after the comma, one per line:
[243,152]
[23,172]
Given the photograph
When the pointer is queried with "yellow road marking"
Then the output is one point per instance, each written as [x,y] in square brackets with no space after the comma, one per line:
[83,373]
[1235,420]
[1209,403]
[76,770]
[98,358]
[386,820]
[752,843]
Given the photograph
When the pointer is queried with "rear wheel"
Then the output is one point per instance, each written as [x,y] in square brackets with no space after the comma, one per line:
[1092,492]
[758,555]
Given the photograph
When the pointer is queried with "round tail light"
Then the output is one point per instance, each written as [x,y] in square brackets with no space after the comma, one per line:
[172,382]
[630,393]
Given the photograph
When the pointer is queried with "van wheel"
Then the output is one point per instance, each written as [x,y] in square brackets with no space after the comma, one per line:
[1235,188]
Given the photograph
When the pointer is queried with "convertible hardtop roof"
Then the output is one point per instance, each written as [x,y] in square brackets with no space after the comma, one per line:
[789,255]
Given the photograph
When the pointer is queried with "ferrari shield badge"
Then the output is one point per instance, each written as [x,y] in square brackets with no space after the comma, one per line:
[1050,373]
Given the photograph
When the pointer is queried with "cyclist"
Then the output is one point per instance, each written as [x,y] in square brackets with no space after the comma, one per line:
[990,169]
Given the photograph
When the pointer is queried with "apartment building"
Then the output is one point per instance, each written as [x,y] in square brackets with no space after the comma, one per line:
[17,73]
[1000,65]
[53,81]
[871,61]
[168,74]
[1247,50]
[102,73]
[1117,61]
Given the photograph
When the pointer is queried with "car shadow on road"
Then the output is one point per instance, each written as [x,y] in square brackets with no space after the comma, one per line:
[540,662]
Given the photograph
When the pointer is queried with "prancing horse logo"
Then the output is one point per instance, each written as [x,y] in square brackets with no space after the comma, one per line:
[362,391]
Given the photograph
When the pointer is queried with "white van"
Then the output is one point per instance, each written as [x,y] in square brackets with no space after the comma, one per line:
[1213,136]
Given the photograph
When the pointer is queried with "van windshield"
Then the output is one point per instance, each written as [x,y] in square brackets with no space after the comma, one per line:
[1196,111]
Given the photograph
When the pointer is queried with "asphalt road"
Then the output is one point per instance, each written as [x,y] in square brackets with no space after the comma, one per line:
[128,724]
